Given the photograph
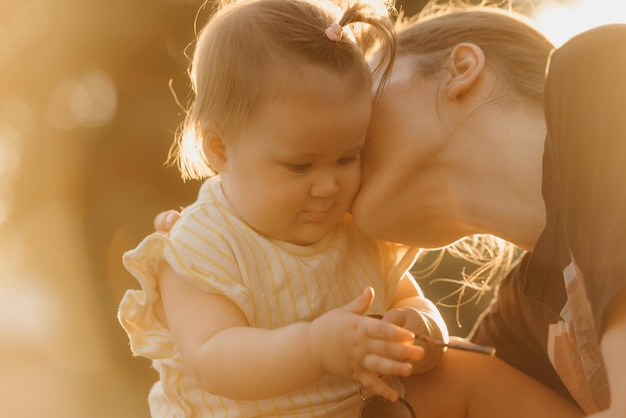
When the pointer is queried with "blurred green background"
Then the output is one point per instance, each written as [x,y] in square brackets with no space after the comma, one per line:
[86,119]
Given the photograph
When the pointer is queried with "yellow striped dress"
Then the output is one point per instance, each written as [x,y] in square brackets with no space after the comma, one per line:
[274,283]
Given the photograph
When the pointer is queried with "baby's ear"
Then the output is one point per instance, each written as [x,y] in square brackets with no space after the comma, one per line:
[215,151]
[465,64]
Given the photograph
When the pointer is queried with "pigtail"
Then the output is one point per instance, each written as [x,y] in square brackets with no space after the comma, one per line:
[373,30]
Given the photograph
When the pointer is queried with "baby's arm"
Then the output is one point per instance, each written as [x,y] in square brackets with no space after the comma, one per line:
[418,314]
[235,360]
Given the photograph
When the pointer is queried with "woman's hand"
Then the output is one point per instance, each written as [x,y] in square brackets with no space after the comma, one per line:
[164,221]
[347,343]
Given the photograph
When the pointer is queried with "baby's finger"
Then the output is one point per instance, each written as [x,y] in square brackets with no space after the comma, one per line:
[361,303]
[383,330]
[386,366]
[372,384]
[395,350]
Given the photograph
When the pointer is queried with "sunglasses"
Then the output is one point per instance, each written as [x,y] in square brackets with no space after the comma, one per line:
[378,407]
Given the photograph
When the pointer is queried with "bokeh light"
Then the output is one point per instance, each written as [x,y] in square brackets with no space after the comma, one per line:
[89,101]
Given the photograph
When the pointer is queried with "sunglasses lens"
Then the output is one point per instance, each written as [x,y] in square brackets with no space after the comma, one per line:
[379,407]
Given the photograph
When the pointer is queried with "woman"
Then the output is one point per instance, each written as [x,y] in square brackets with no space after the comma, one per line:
[456,147]
[461,123]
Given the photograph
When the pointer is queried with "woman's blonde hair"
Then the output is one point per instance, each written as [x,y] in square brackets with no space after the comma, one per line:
[512,46]
[250,50]
[486,260]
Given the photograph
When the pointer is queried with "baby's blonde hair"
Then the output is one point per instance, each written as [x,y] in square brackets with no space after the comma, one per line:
[250,50]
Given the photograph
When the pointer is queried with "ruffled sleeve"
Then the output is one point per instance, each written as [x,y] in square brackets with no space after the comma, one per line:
[199,250]
[148,336]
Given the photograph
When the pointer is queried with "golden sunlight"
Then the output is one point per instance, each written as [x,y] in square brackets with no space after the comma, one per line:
[86,121]
[560,20]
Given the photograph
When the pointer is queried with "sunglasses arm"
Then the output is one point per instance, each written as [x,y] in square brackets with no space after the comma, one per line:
[459,344]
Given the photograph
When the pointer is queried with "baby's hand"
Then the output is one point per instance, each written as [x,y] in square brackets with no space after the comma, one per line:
[347,343]
[419,324]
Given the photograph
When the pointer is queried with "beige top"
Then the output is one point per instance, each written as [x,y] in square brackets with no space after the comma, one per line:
[274,283]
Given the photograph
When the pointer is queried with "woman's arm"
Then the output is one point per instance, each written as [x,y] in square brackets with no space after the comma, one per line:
[235,360]
[474,385]
[613,342]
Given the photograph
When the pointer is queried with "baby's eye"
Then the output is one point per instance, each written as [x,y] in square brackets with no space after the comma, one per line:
[298,168]
[347,160]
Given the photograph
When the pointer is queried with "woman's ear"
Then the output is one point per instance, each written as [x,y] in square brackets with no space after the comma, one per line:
[465,64]
[215,151]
